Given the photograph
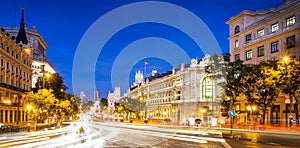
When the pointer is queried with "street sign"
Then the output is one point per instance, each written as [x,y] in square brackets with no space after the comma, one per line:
[231,113]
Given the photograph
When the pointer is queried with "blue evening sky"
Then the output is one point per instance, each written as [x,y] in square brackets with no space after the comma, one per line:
[63,23]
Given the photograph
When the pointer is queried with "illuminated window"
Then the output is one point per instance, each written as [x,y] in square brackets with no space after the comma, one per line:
[236,43]
[274,47]
[290,21]
[274,27]
[207,88]
[260,51]
[249,55]
[260,32]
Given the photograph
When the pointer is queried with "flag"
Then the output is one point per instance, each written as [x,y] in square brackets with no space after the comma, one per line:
[146,63]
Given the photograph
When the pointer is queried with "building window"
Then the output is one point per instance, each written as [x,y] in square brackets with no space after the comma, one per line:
[274,27]
[207,88]
[274,47]
[249,55]
[236,43]
[260,33]
[290,42]
[260,51]
[248,37]
[237,57]
[2,63]
[238,106]
[236,29]
[290,21]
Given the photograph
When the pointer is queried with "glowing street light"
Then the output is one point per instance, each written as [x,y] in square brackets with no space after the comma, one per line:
[28,107]
[285,58]
[47,75]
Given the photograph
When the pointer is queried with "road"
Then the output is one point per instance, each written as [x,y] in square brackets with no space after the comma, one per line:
[100,135]
[114,134]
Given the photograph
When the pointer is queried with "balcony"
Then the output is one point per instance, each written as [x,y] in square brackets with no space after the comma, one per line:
[12,87]
[272,34]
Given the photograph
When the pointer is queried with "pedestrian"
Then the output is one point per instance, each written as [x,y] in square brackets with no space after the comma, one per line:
[183,121]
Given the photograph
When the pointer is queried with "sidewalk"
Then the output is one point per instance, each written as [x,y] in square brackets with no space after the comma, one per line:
[279,128]
[267,128]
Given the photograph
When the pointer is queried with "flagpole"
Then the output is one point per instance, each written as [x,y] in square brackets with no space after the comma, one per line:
[145,70]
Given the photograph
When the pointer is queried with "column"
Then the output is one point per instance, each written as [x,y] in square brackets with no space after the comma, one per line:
[4,115]
[21,116]
[13,116]
[8,116]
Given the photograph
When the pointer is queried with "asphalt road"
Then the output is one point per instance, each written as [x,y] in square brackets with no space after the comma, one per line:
[129,136]
[275,139]
[112,134]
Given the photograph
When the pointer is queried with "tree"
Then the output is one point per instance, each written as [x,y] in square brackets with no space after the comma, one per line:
[64,109]
[249,81]
[133,104]
[261,86]
[233,81]
[289,76]
[103,103]
[119,108]
[54,82]
[42,103]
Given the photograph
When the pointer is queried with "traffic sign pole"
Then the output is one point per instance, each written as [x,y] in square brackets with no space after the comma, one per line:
[231,113]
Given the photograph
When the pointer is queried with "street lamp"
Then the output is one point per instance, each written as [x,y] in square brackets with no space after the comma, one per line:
[46,75]
[285,59]
[202,111]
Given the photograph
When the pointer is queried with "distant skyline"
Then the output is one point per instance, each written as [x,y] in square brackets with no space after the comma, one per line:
[62,25]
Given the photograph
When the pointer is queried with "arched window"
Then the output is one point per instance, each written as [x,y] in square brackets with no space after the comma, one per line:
[236,29]
[208,87]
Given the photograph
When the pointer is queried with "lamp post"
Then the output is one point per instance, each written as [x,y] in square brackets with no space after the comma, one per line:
[285,60]
[46,75]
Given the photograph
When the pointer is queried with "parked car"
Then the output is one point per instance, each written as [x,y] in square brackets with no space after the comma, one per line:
[5,128]
[198,121]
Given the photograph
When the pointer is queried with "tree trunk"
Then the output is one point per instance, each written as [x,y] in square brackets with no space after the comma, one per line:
[263,117]
[296,110]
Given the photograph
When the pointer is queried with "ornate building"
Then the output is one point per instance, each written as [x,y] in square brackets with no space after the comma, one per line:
[37,45]
[262,35]
[186,91]
[15,78]
[113,98]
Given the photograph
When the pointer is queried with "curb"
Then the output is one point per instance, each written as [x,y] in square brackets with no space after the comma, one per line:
[239,137]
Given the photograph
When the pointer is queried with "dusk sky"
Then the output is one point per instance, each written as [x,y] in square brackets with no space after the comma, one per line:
[63,23]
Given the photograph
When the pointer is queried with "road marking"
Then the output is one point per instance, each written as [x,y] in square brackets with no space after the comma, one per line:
[226,145]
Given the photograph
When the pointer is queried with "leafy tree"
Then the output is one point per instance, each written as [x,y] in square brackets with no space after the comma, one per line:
[54,82]
[249,81]
[42,103]
[260,86]
[64,109]
[103,103]
[233,81]
[289,76]
[132,104]
[119,108]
